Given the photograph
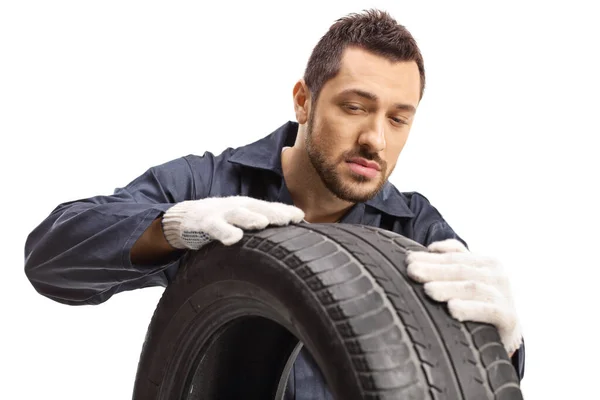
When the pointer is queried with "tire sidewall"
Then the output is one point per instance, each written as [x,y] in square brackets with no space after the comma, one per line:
[268,287]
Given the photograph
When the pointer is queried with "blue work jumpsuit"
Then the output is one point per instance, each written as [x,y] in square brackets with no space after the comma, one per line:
[80,254]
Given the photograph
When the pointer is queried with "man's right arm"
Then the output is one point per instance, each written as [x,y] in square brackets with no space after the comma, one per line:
[87,250]
[152,248]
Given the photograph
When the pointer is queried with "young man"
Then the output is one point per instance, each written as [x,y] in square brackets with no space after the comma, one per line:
[354,110]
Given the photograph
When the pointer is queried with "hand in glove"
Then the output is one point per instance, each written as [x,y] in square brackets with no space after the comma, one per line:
[193,223]
[475,287]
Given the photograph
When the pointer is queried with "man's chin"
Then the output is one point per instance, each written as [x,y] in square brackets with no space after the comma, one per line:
[352,187]
[358,191]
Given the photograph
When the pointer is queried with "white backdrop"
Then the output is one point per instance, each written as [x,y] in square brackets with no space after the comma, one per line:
[504,145]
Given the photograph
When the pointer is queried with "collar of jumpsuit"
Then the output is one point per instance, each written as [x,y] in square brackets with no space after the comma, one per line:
[265,154]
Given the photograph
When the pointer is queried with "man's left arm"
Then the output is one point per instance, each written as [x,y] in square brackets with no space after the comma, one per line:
[475,287]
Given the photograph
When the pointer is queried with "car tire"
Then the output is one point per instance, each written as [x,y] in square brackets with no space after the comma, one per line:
[234,318]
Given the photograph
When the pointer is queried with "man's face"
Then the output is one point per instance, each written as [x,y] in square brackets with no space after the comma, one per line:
[361,121]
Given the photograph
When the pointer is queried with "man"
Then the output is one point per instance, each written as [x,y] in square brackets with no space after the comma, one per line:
[354,109]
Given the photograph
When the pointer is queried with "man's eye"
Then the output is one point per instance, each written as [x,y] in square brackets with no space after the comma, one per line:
[399,121]
[353,107]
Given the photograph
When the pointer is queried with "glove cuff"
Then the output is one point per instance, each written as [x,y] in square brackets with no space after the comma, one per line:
[171,225]
[174,228]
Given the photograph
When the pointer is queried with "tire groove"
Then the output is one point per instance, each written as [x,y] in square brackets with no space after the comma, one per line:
[496,362]
[447,355]
[353,280]
[363,273]
[351,253]
[351,299]
[329,271]
[507,385]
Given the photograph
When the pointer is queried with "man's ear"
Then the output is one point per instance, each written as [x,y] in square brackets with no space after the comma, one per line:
[301,101]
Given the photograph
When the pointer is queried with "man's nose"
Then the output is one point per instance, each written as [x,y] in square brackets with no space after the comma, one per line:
[373,136]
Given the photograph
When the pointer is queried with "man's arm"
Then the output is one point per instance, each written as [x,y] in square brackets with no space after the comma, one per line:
[475,288]
[429,227]
[152,248]
[82,252]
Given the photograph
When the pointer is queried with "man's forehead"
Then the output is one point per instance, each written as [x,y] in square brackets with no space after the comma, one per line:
[368,70]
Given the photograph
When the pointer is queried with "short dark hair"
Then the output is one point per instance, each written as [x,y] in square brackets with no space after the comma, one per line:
[373,30]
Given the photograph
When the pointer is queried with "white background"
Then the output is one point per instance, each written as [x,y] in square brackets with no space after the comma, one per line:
[505,145]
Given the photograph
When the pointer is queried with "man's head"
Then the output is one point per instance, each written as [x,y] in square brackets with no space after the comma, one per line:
[357,101]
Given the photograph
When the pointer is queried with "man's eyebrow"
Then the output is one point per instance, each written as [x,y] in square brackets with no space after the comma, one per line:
[373,97]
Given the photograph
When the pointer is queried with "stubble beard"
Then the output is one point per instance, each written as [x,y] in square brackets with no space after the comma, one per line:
[347,191]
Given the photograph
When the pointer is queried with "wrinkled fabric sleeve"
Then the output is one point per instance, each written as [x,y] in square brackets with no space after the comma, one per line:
[433,228]
[80,254]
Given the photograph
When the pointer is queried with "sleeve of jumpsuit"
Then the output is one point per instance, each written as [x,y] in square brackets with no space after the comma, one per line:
[80,254]
[438,230]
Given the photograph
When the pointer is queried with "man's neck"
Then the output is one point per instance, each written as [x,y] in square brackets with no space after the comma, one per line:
[308,191]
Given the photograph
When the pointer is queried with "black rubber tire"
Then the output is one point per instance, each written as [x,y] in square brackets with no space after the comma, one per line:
[226,327]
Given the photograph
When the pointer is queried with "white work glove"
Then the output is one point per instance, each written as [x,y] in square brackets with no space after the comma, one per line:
[475,287]
[193,223]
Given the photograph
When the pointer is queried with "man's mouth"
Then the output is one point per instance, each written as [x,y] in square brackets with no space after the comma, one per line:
[365,163]
[364,167]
